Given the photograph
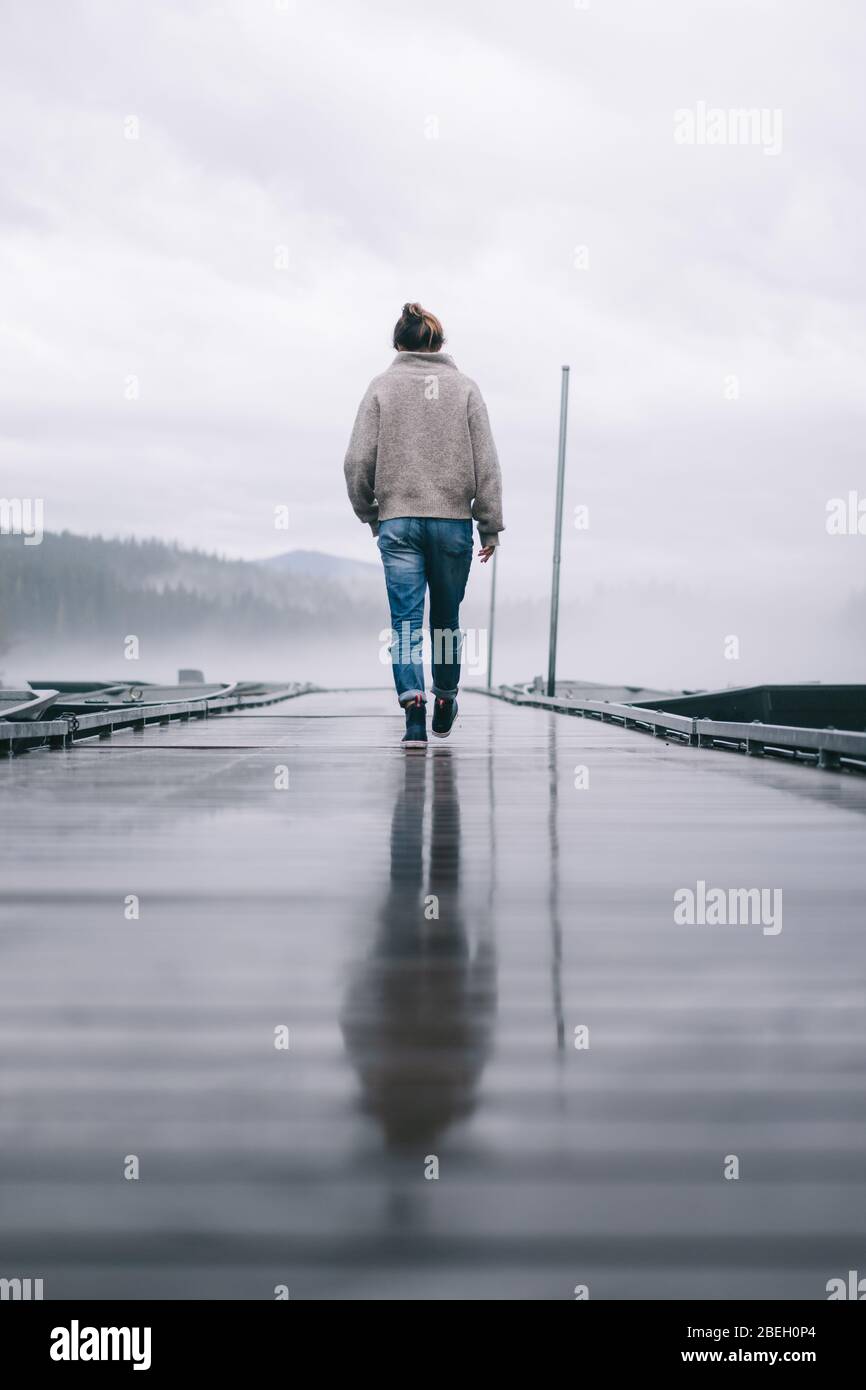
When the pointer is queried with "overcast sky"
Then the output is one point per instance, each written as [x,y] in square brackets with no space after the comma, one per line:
[301,169]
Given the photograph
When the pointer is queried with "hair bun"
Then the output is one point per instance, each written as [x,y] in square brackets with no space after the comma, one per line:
[417,330]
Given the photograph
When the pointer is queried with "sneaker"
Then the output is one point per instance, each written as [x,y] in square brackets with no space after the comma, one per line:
[444,714]
[416,724]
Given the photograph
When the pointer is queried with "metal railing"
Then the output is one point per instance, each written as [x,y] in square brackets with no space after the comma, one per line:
[828,748]
[20,736]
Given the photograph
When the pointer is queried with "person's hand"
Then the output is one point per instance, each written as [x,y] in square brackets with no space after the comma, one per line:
[485,553]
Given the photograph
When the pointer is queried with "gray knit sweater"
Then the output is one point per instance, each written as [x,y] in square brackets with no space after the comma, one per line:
[422,446]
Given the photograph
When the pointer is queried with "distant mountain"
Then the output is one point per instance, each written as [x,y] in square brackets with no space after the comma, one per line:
[74,587]
[68,605]
[317,564]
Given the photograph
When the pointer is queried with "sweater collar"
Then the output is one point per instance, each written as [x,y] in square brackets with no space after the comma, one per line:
[423,359]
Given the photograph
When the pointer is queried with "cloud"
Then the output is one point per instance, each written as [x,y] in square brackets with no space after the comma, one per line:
[244,259]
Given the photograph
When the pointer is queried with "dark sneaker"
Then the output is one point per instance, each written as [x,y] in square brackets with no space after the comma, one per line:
[416,724]
[444,714]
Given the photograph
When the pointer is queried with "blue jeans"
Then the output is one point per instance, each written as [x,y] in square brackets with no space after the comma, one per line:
[420,552]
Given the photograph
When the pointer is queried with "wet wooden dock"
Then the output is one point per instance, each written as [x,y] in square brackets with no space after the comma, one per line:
[431,930]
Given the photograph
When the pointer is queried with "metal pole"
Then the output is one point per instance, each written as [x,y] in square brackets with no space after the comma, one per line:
[491,623]
[557,535]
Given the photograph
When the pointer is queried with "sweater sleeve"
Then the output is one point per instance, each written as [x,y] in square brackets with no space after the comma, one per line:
[487,506]
[359,467]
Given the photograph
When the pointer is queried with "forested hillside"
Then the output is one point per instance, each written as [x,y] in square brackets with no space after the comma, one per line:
[77,586]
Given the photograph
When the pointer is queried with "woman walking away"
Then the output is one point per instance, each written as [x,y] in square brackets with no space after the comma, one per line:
[421,466]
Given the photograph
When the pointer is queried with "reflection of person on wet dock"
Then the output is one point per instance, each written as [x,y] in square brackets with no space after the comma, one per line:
[418,1015]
